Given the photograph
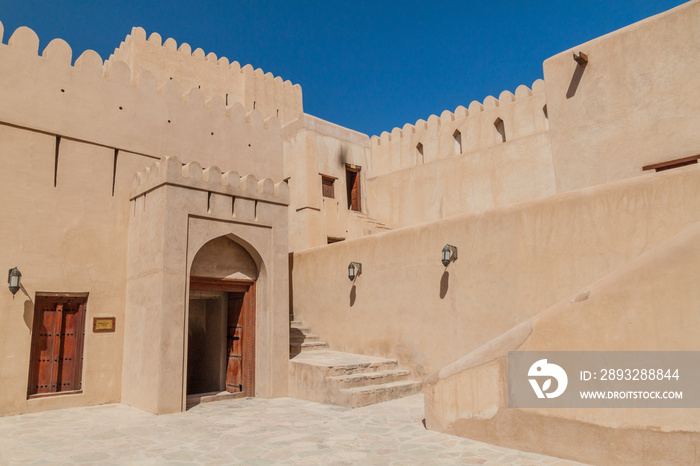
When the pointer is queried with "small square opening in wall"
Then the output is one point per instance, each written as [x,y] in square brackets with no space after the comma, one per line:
[328,186]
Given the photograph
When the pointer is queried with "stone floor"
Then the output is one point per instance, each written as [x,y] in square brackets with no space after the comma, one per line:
[249,431]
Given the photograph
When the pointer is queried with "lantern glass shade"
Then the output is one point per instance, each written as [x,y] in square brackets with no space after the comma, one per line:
[449,254]
[354,269]
[13,280]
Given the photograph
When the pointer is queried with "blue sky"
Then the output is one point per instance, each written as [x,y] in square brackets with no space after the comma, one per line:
[366,65]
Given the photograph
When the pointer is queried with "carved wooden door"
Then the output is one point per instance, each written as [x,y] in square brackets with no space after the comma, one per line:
[57,345]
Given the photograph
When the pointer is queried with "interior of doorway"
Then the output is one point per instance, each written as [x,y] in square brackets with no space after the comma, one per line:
[221,340]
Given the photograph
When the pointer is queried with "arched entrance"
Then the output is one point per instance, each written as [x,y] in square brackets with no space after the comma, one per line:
[221,321]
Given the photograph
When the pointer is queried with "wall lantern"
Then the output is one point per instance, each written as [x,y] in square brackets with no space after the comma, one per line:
[449,254]
[13,278]
[354,270]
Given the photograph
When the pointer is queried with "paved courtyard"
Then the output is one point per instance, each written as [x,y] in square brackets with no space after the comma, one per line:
[249,431]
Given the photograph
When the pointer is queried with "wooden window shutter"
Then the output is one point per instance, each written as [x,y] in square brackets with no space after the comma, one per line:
[328,186]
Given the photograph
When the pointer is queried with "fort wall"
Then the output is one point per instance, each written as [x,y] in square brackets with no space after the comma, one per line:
[514,262]
[633,104]
[521,114]
[252,88]
[493,154]
[65,225]
[314,148]
[175,210]
[632,309]
[109,108]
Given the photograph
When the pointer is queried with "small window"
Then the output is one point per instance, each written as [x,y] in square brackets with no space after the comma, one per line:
[56,358]
[457,138]
[332,239]
[328,183]
[352,185]
[419,154]
[500,130]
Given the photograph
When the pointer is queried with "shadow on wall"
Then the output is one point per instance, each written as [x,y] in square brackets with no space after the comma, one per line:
[28,313]
[353,295]
[576,79]
[444,284]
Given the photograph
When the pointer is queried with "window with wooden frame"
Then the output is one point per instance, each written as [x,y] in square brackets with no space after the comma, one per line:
[328,183]
[58,333]
[352,185]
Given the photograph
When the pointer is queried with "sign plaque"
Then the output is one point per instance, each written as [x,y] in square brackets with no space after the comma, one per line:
[103,324]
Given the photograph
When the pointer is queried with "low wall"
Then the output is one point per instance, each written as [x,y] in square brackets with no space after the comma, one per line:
[636,308]
[495,176]
[513,263]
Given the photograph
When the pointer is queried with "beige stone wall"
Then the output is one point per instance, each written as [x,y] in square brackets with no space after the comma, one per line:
[314,147]
[215,77]
[513,263]
[72,237]
[634,103]
[111,109]
[65,238]
[465,166]
[175,211]
[649,304]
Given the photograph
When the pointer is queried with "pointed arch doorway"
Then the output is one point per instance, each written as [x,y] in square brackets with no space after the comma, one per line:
[221,323]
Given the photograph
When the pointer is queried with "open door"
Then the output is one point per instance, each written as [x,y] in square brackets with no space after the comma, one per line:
[238,297]
[352,182]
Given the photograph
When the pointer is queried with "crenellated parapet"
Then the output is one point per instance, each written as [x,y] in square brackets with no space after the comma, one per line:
[252,88]
[480,126]
[109,105]
[171,171]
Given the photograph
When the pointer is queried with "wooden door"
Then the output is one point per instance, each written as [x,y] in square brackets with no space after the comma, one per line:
[234,334]
[240,368]
[240,330]
[57,345]
[353,187]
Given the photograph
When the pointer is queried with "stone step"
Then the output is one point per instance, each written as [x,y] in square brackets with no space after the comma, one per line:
[340,370]
[299,329]
[368,378]
[309,346]
[371,394]
[309,337]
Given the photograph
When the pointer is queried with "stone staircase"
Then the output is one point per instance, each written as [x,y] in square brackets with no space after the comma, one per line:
[301,339]
[344,379]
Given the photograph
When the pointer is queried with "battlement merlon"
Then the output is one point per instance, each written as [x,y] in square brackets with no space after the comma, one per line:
[171,171]
[520,115]
[252,88]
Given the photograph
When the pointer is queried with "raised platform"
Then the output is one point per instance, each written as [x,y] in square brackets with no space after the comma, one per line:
[347,379]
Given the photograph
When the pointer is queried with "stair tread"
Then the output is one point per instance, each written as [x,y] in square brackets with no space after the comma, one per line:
[340,359]
[306,335]
[369,375]
[308,343]
[383,386]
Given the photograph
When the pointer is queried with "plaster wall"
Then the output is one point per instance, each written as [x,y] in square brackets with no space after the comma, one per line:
[513,263]
[67,238]
[633,104]
[522,114]
[109,108]
[634,308]
[314,147]
[176,211]
[254,89]
[500,175]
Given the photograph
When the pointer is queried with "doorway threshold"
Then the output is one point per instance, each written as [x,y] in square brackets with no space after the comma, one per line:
[197,398]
